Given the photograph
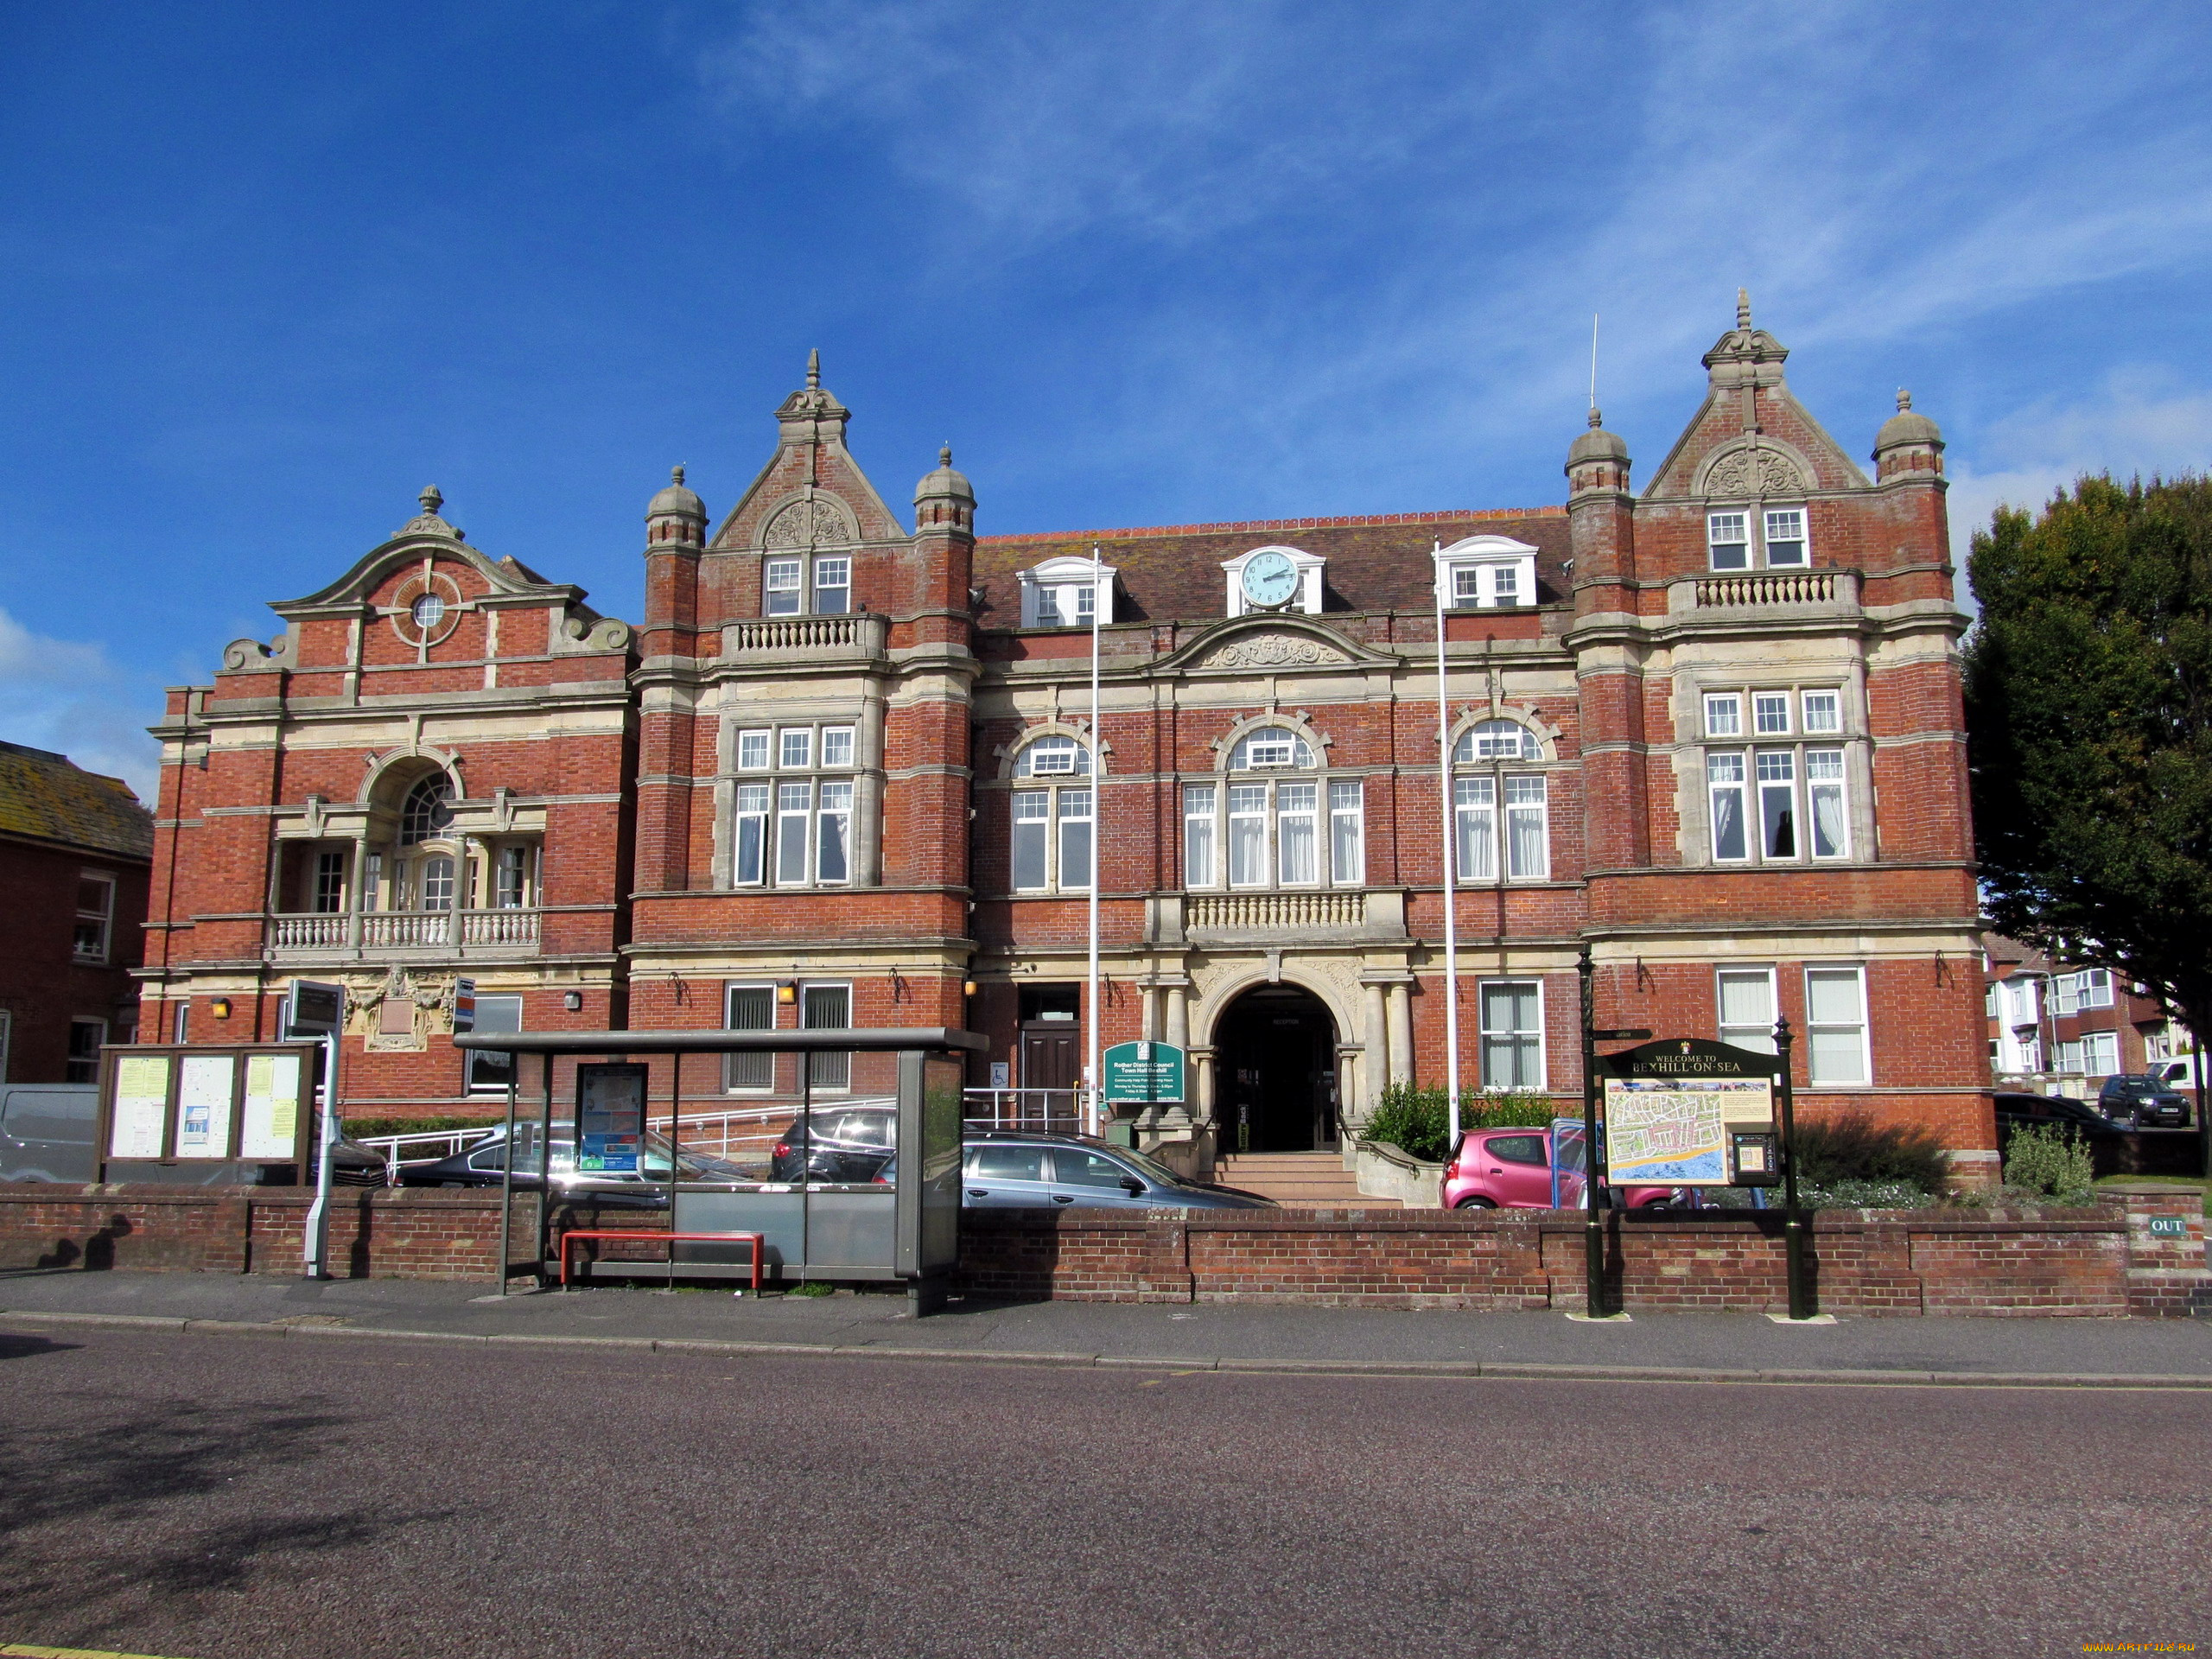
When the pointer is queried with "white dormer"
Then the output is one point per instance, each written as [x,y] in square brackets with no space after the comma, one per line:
[1062,593]
[1489,573]
[1300,589]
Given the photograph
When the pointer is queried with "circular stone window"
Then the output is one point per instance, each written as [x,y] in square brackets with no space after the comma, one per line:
[426,608]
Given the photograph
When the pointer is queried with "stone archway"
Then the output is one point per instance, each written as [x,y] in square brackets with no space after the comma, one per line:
[1276,1070]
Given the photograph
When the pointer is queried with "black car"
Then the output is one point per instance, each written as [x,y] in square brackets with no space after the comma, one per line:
[485,1164]
[2145,1103]
[2015,1111]
[836,1143]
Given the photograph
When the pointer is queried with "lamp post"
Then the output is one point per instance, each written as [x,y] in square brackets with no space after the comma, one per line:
[1593,1235]
[1792,1225]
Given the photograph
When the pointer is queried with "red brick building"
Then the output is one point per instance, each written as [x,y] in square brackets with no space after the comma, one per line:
[846,771]
[74,851]
[2064,1030]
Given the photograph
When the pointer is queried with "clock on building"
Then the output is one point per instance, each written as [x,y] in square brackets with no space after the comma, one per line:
[1270,581]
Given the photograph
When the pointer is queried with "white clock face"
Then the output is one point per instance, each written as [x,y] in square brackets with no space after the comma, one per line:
[1270,579]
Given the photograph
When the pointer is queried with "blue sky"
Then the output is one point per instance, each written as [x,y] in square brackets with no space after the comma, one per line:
[270,269]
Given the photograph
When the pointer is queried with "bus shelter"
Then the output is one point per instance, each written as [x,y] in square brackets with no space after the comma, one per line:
[814,1210]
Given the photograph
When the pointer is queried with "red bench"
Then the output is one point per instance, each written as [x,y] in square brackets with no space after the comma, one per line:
[753,1239]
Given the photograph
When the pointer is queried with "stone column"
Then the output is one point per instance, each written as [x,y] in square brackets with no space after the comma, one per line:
[1202,1059]
[1178,1014]
[1374,1052]
[1148,1027]
[1401,1034]
[867,792]
[358,891]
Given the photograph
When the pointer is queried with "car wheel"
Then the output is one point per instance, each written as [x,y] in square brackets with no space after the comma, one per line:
[1476,1201]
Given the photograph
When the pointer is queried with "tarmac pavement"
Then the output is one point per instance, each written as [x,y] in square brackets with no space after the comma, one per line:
[2077,1352]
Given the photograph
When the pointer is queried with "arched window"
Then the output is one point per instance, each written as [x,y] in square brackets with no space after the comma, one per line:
[1496,740]
[1052,825]
[1273,832]
[1503,816]
[429,812]
[1271,748]
[1053,756]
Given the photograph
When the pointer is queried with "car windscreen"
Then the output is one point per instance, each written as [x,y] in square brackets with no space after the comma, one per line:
[1151,1168]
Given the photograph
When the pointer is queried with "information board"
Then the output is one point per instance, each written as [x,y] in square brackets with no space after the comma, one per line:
[204,1103]
[1671,1107]
[610,1117]
[1144,1073]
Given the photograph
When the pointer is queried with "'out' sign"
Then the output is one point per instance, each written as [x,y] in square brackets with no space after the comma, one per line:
[2170,1226]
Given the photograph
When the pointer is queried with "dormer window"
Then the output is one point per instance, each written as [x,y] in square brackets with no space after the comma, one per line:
[1066,592]
[1486,573]
[1274,579]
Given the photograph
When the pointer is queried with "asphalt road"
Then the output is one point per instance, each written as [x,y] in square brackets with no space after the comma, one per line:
[243,1498]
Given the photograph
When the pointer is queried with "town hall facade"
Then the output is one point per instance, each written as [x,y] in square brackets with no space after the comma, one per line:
[844,771]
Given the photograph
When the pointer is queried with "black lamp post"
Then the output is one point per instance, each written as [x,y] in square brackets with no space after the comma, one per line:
[1593,1235]
[1793,1226]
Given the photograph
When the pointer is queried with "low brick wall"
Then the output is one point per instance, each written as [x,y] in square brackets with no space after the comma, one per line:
[2101,1261]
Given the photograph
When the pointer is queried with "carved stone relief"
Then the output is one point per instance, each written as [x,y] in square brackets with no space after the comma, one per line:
[1736,473]
[806,523]
[1271,650]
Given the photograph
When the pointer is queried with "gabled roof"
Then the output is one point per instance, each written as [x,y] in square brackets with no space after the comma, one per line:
[46,797]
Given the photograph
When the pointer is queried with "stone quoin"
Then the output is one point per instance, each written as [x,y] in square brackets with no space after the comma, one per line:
[844,771]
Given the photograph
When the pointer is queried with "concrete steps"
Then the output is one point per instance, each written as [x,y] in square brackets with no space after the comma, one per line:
[1298,1178]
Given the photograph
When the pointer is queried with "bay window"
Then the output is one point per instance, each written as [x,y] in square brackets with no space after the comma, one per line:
[793,831]
[1779,802]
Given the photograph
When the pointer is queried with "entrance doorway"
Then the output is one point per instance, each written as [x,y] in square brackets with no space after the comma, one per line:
[1275,1047]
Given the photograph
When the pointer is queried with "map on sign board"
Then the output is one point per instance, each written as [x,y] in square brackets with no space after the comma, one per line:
[1674,1131]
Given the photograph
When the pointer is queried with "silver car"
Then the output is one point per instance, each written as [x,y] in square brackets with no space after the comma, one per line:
[1045,1172]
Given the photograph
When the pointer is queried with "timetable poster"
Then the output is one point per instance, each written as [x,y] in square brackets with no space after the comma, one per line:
[205,1083]
[141,1106]
[271,1128]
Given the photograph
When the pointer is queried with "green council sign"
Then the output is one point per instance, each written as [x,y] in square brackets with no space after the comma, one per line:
[1147,1072]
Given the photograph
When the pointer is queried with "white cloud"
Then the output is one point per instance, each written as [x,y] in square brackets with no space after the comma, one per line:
[71,697]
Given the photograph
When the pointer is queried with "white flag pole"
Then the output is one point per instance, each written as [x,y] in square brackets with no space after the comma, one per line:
[1097,1014]
[1451,883]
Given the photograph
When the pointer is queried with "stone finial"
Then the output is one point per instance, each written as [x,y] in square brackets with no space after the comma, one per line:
[1596,417]
[1743,308]
[945,456]
[1905,401]
[431,500]
[814,369]
[676,473]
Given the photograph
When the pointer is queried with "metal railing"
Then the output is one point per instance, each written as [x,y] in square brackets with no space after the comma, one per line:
[1050,1111]
[1267,912]
[424,1146]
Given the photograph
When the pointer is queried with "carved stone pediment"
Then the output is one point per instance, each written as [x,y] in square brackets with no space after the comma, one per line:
[1744,471]
[1271,650]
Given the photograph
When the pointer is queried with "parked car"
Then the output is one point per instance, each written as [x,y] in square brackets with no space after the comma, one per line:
[1010,1170]
[1511,1169]
[836,1143]
[485,1164]
[2144,1103]
[47,1131]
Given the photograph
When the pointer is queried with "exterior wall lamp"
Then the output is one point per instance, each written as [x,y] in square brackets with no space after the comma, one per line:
[967,988]
[787,991]
[221,1008]
[573,1002]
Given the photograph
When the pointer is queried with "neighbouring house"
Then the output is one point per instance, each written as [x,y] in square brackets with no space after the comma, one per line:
[76,850]
[2059,1029]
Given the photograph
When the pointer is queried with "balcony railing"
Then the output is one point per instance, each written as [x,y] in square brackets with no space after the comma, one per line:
[859,633]
[1275,912]
[487,930]
[1767,587]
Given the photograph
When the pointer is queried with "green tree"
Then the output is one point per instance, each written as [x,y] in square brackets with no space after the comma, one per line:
[2089,689]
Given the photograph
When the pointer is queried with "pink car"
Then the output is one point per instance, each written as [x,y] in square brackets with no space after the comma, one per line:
[1513,1168]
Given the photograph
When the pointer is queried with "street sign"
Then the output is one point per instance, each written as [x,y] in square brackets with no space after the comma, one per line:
[464,1005]
[2169,1226]
[313,1008]
[1146,1073]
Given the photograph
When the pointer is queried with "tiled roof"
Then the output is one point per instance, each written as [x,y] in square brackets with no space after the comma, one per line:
[1173,572]
[41,794]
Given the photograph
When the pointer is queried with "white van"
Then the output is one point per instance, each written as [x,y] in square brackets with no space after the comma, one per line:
[2176,1074]
[46,1131]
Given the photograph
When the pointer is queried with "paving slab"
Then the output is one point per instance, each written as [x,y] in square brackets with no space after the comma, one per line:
[2067,1351]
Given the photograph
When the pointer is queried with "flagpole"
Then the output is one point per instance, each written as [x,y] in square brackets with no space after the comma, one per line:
[1097,821]
[1451,884]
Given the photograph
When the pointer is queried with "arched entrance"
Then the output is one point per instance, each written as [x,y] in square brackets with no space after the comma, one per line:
[1275,1049]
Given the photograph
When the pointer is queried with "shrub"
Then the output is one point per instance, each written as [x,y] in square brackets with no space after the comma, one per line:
[2049,1161]
[1852,1148]
[1418,1120]
[1861,1195]
[357,1127]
